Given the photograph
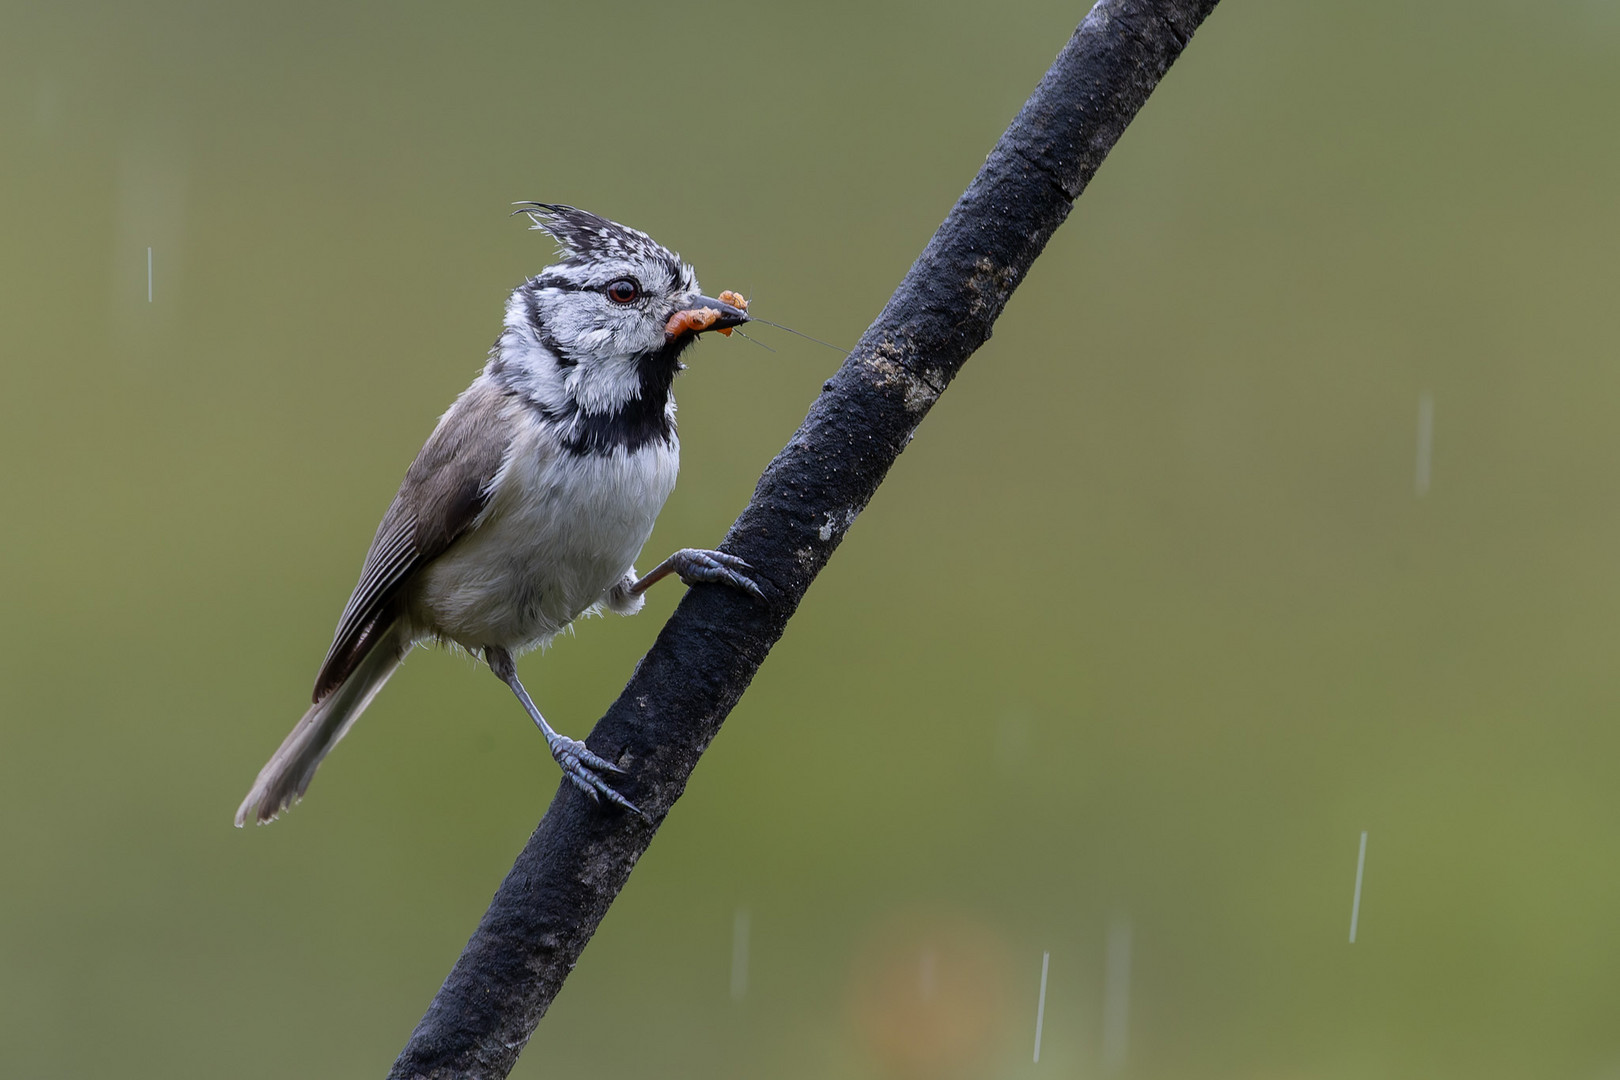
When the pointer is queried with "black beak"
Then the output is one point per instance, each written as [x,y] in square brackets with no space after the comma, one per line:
[729,316]
[705,313]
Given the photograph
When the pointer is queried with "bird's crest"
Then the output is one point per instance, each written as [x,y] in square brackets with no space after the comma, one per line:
[583,235]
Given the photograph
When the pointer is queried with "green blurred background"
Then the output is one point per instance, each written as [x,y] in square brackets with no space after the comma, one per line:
[1147,626]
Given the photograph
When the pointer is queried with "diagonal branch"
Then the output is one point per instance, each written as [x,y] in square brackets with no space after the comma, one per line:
[580,856]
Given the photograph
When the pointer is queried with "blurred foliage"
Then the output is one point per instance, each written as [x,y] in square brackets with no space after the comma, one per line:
[1148,623]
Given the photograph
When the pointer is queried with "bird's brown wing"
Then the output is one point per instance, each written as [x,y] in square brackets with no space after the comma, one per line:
[445,489]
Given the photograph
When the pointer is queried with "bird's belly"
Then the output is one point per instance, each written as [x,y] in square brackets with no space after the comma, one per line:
[558,534]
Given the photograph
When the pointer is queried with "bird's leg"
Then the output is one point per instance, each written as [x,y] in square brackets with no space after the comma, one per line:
[578,763]
[697,566]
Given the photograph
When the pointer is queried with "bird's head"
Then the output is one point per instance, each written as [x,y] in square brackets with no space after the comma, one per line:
[602,329]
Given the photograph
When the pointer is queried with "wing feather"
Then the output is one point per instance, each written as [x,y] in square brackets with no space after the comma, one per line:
[444,491]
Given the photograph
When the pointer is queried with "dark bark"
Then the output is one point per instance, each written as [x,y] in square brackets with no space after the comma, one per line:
[581,854]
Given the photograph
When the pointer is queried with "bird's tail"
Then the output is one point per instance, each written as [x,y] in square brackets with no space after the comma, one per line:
[286,776]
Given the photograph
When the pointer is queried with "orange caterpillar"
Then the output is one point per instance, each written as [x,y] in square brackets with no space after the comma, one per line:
[736,300]
[692,319]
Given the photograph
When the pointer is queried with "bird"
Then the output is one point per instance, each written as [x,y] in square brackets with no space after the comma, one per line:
[532,498]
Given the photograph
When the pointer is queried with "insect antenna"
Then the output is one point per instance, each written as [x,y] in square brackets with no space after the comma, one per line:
[807,337]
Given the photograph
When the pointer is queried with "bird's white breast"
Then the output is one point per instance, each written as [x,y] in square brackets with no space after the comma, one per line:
[560,530]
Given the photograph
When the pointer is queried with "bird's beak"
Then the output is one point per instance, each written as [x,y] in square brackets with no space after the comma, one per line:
[707,313]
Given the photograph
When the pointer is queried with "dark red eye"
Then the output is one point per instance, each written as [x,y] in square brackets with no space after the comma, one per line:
[623,291]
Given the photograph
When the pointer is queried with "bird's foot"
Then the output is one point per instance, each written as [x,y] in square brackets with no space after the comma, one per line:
[582,768]
[699,566]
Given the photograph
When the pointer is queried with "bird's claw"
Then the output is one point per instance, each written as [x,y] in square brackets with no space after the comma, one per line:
[698,566]
[581,767]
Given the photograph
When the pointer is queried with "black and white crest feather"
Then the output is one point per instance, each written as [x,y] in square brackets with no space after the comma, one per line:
[584,236]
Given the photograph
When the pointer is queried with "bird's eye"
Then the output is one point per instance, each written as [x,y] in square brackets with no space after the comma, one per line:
[623,291]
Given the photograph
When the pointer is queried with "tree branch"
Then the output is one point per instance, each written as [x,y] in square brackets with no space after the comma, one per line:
[581,854]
